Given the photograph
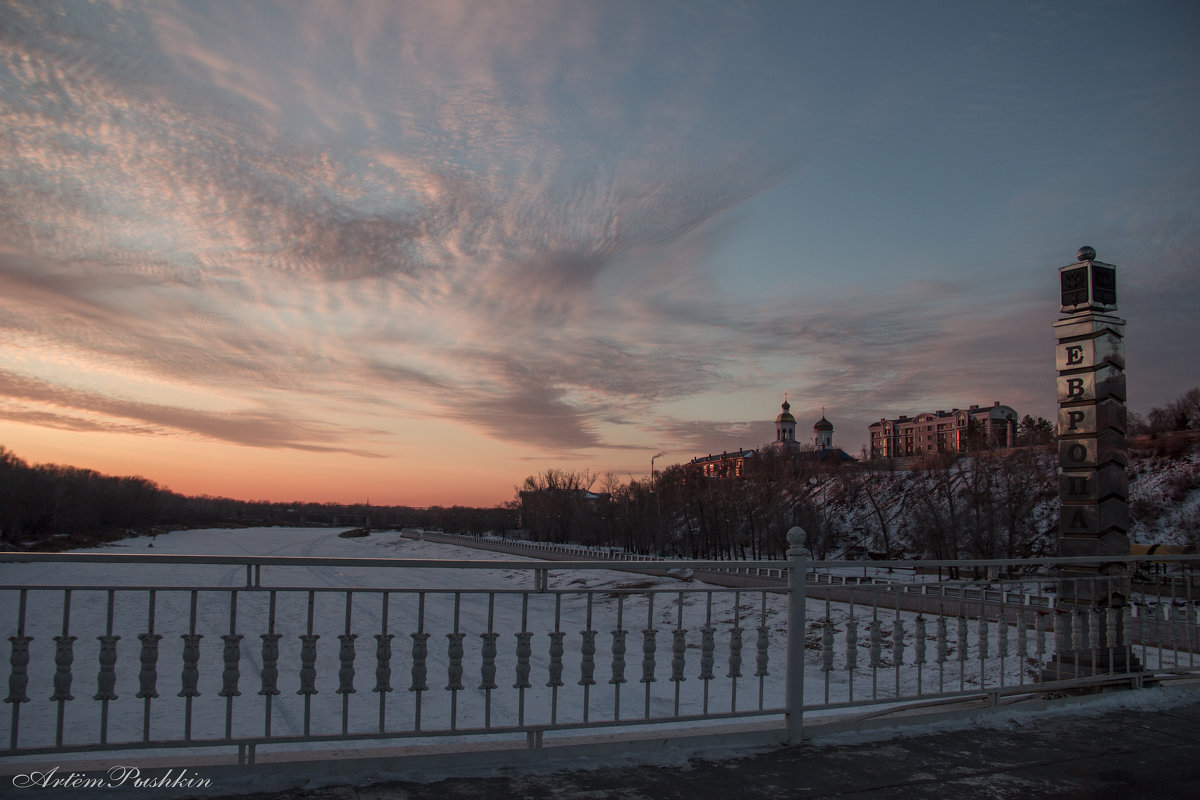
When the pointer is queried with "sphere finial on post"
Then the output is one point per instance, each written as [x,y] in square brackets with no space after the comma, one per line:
[795,538]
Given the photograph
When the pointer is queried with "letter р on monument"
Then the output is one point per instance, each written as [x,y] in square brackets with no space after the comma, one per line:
[1092,452]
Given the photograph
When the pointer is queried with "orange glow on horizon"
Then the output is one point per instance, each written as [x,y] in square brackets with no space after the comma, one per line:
[195,468]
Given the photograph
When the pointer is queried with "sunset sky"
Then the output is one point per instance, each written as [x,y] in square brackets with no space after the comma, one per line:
[411,252]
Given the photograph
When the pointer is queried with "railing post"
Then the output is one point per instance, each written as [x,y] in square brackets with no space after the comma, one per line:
[798,558]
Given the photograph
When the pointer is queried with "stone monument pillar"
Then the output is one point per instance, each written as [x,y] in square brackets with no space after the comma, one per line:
[1092,454]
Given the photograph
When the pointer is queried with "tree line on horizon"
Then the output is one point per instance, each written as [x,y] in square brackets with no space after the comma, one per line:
[47,506]
[1180,414]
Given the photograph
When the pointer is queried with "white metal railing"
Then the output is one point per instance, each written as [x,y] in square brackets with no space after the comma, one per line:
[246,652]
[776,569]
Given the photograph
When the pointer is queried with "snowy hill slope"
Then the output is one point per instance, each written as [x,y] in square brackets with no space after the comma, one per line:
[994,506]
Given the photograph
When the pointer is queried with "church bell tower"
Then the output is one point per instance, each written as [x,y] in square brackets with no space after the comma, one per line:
[785,426]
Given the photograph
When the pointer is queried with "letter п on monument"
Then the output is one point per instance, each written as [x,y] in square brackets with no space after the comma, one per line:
[1092,485]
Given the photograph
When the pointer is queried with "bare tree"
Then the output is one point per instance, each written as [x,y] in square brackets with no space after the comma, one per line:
[557,506]
[936,518]
[1180,414]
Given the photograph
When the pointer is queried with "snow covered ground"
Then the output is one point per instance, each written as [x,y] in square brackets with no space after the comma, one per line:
[1164,497]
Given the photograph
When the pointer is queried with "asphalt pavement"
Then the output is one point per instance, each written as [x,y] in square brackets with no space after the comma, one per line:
[1151,750]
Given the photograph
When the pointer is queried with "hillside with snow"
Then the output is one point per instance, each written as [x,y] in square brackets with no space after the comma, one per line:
[993,506]
[1164,494]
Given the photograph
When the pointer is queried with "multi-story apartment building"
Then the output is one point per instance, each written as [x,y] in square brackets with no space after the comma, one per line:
[725,465]
[951,431]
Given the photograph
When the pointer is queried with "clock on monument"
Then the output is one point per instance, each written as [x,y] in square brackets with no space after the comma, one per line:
[1088,284]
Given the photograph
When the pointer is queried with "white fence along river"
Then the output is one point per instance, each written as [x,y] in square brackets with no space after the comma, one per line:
[245,652]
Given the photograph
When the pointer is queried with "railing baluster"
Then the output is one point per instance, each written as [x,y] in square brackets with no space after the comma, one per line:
[942,648]
[308,664]
[383,662]
[346,664]
[270,665]
[454,672]
[735,651]
[618,657]
[524,651]
[231,655]
[557,647]
[587,659]
[827,635]
[876,638]
[963,644]
[919,645]
[678,652]
[454,657]
[1112,620]
[1079,618]
[1002,641]
[851,649]
[106,679]
[420,652]
[708,647]
[1143,626]
[1062,634]
[63,656]
[487,670]
[1192,609]
[983,644]
[1095,627]
[556,663]
[1161,616]
[1022,644]
[190,676]
[18,679]
[1040,621]
[148,672]
[1178,614]
[762,647]
[649,636]
[1171,618]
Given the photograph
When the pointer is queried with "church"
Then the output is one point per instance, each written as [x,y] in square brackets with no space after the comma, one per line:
[821,450]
